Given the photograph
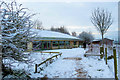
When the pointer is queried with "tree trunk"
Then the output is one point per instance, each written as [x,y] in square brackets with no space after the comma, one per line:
[103,42]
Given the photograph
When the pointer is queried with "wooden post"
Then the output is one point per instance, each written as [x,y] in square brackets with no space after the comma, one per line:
[46,63]
[35,68]
[115,63]
[56,56]
[60,54]
[101,52]
[106,55]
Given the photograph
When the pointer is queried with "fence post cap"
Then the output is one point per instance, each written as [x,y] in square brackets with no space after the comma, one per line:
[114,47]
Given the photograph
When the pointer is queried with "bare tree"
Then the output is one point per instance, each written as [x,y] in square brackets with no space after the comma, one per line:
[74,34]
[86,36]
[38,25]
[102,20]
[60,29]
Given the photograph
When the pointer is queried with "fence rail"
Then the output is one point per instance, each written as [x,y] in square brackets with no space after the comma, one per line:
[50,60]
[86,55]
[49,52]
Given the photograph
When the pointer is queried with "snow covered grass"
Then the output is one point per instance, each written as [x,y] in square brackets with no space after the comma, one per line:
[97,68]
[35,58]
[72,64]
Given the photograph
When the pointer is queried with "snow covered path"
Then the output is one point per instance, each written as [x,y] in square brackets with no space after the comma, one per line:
[72,64]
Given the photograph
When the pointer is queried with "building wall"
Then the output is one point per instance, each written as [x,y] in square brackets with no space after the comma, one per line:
[106,42]
[42,45]
[96,42]
[29,46]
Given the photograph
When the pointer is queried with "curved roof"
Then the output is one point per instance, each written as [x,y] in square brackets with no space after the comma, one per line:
[52,34]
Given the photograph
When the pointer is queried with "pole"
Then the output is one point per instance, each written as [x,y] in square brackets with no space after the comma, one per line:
[106,55]
[101,52]
[115,63]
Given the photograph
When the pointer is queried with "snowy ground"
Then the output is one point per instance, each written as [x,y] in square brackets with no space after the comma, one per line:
[72,64]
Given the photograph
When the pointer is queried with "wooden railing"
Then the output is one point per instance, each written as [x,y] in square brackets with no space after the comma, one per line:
[47,61]
[49,52]
[101,53]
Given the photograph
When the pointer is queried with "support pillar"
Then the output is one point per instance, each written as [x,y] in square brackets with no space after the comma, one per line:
[29,46]
[47,44]
[58,44]
[42,45]
[64,44]
[51,45]
[71,44]
[77,43]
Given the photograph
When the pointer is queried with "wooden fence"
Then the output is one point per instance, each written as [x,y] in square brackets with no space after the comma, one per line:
[101,53]
[46,62]
[106,57]
[49,52]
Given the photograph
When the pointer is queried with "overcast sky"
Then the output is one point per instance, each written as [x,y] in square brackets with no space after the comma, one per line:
[75,16]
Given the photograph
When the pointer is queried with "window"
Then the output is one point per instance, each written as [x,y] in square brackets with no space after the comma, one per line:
[55,43]
[37,45]
[75,42]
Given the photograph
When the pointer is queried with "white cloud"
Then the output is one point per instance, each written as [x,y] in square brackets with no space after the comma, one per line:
[78,29]
[67,1]
[81,28]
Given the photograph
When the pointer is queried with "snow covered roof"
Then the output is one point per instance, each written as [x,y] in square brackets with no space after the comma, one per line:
[97,40]
[52,34]
[104,39]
